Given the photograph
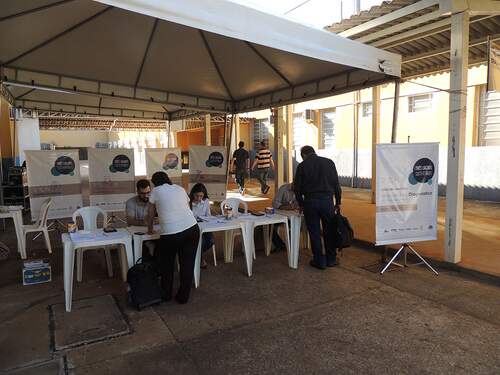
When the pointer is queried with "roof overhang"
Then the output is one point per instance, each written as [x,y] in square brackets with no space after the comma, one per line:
[419,30]
[173,59]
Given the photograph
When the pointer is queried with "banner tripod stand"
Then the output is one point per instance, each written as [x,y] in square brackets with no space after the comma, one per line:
[404,249]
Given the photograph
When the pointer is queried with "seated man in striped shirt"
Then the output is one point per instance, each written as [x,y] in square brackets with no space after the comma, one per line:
[263,161]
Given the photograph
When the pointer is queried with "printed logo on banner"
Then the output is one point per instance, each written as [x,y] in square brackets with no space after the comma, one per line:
[215,159]
[121,163]
[423,171]
[171,161]
[63,165]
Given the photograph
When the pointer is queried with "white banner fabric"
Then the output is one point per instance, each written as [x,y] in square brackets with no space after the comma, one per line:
[54,174]
[208,165]
[166,160]
[406,192]
[111,178]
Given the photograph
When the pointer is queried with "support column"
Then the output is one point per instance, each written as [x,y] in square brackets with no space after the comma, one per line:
[279,127]
[289,143]
[375,136]
[208,138]
[394,133]
[354,182]
[235,136]
[6,144]
[459,53]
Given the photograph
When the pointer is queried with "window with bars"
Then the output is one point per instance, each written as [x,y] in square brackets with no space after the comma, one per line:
[328,129]
[367,109]
[419,103]
[260,132]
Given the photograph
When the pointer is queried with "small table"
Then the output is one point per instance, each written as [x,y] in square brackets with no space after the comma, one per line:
[73,241]
[139,235]
[250,222]
[295,218]
[16,214]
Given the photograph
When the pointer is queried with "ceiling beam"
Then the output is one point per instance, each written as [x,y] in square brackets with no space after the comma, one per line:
[473,7]
[75,85]
[420,32]
[101,111]
[401,26]
[379,21]
[446,50]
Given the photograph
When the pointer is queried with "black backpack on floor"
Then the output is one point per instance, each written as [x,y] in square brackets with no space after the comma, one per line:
[343,232]
[144,290]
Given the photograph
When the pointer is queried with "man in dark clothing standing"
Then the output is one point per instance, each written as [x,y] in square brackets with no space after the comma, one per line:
[316,182]
[241,165]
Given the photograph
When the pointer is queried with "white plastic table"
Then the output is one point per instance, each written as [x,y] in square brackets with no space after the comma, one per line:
[139,235]
[295,219]
[16,214]
[213,224]
[250,222]
[92,239]
[219,224]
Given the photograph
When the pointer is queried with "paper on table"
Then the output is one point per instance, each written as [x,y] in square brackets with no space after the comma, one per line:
[95,236]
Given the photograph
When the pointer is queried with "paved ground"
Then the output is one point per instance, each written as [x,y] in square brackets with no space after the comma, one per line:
[481,228]
[344,320]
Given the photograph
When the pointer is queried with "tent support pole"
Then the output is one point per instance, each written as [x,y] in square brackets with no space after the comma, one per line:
[459,59]
[395,112]
[228,146]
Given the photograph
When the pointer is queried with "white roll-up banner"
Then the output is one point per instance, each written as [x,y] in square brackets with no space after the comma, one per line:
[54,174]
[406,192]
[111,178]
[166,160]
[208,165]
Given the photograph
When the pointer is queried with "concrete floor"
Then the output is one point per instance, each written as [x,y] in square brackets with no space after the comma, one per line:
[344,320]
[481,228]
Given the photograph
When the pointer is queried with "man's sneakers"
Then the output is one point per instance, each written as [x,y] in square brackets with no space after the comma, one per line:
[312,263]
[332,264]
[266,189]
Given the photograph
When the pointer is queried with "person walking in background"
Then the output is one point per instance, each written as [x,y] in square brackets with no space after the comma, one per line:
[200,205]
[179,235]
[316,182]
[240,163]
[263,161]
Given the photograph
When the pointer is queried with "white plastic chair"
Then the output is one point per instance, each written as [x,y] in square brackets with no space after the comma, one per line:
[89,217]
[39,226]
[235,204]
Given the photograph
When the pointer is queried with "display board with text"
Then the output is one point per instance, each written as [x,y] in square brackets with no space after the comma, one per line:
[54,174]
[111,178]
[208,165]
[166,160]
[406,192]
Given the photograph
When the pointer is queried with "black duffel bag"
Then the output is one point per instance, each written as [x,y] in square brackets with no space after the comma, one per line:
[343,232]
[144,290]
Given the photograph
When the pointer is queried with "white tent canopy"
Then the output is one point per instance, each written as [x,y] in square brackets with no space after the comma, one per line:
[170,59]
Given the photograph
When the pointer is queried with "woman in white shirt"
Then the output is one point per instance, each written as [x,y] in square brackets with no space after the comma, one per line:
[179,235]
[200,205]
